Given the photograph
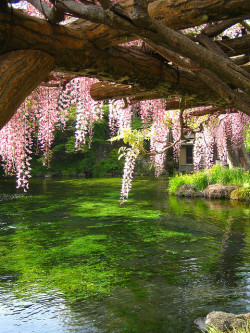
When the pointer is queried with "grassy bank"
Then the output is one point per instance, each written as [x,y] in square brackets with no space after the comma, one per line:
[216,175]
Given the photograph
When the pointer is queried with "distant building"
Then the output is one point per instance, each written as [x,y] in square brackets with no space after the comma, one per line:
[186,164]
[186,155]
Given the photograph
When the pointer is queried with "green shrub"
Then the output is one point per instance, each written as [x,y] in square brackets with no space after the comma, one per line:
[109,166]
[221,175]
[200,180]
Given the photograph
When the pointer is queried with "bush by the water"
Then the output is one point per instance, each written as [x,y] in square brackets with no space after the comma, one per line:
[216,175]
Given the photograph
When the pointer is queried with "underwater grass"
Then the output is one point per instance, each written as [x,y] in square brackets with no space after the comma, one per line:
[216,175]
[88,263]
[86,245]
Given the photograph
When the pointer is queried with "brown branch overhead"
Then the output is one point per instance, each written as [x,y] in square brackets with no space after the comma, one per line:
[213,30]
[234,99]
[177,15]
[31,33]
[209,60]
[104,90]
[75,55]
[236,46]
[57,39]
[211,45]
[69,47]
[159,33]
[52,14]
[208,111]
[173,57]
[147,73]
[17,79]
[193,13]
[108,90]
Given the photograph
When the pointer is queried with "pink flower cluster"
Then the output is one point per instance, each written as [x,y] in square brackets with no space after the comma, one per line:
[34,123]
[87,111]
[120,116]
[15,146]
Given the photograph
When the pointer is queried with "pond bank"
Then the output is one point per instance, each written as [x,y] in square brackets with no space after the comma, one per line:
[218,182]
[216,191]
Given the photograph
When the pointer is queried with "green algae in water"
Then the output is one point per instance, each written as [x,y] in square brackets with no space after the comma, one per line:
[75,238]
[61,254]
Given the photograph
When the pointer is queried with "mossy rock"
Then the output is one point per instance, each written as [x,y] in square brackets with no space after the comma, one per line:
[241,194]
[218,191]
[227,322]
[188,190]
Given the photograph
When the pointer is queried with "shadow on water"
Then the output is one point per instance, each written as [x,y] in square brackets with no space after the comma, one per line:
[73,260]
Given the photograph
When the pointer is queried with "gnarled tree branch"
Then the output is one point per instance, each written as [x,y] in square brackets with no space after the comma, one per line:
[17,79]
[52,14]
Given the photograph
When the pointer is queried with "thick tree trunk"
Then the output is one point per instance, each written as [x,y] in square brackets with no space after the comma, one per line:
[237,157]
[17,79]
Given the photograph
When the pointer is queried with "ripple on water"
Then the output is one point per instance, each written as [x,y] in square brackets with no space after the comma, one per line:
[43,313]
[10,197]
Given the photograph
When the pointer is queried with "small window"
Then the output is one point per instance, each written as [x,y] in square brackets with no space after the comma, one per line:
[189,155]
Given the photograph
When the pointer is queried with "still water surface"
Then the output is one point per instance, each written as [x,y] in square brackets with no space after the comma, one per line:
[73,260]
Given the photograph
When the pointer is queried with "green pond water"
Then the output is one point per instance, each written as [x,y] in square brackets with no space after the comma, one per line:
[73,260]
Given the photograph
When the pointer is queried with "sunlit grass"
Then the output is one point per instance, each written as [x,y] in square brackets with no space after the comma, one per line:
[216,175]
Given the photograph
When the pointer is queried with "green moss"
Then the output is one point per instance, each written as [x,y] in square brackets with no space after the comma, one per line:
[174,234]
[241,194]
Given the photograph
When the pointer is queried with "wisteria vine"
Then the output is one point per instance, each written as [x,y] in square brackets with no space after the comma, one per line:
[48,107]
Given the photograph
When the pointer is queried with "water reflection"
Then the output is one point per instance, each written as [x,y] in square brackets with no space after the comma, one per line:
[232,251]
[81,263]
[43,312]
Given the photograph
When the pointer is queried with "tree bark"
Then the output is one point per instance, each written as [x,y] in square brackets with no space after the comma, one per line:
[74,54]
[180,14]
[108,90]
[74,51]
[233,47]
[17,79]
[237,157]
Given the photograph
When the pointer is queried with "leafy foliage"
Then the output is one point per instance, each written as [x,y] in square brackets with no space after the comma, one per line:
[216,175]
